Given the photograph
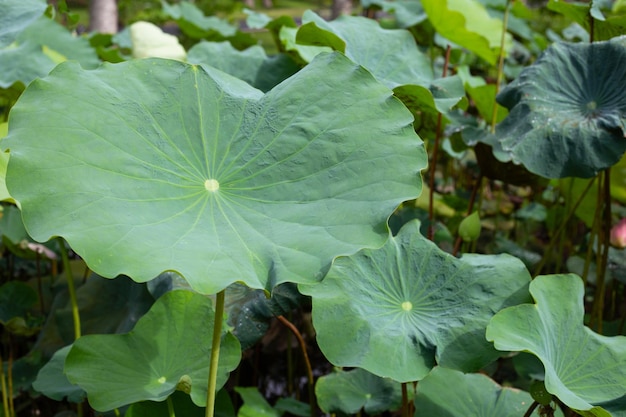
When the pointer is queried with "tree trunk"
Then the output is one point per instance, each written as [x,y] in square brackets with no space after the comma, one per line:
[341,7]
[103,16]
[249,4]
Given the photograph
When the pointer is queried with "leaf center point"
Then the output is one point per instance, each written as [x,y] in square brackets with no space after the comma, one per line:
[212,185]
[407,306]
[161,380]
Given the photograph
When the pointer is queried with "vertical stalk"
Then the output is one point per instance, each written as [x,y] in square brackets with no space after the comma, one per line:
[603,244]
[70,287]
[405,401]
[307,362]
[433,159]
[558,232]
[505,22]
[72,291]
[215,354]
[170,407]
[5,393]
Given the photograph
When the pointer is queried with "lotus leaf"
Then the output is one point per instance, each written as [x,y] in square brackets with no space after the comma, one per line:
[397,310]
[349,392]
[448,393]
[52,382]
[582,368]
[205,175]
[402,66]
[168,350]
[251,65]
[15,15]
[468,24]
[567,111]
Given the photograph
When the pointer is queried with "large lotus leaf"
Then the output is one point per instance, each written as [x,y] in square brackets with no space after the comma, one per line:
[158,165]
[349,392]
[401,66]
[582,368]
[448,393]
[468,24]
[397,310]
[168,350]
[251,65]
[567,111]
[15,15]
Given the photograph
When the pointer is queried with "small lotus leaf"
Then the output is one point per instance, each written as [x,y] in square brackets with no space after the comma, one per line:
[582,368]
[349,392]
[251,65]
[158,165]
[567,111]
[171,344]
[254,404]
[52,382]
[448,393]
[397,310]
[468,24]
[402,66]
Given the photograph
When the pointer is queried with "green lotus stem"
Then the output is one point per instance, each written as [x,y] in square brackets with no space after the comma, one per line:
[215,353]
[433,159]
[530,410]
[170,407]
[70,287]
[552,242]
[603,251]
[307,362]
[405,401]
[505,22]
[3,385]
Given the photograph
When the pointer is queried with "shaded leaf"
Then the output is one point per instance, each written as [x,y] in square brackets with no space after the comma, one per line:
[254,405]
[582,368]
[448,393]
[349,392]
[206,176]
[566,111]
[168,349]
[397,310]
[251,65]
[52,382]
[16,299]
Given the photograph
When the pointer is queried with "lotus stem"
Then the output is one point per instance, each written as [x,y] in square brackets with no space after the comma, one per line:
[603,244]
[170,407]
[552,242]
[530,410]
[307,362]
[215,353]
[3,386]
[433,159]
[505,22]
[70,287]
